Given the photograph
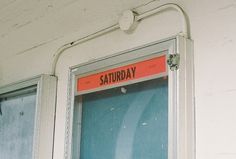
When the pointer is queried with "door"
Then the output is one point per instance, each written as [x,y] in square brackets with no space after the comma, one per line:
[17,122]
[130,105]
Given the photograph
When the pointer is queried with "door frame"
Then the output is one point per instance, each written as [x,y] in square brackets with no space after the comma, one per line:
[45,86]
[181,111]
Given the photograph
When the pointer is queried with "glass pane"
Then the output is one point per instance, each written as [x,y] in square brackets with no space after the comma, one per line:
[130,122]
[17,127]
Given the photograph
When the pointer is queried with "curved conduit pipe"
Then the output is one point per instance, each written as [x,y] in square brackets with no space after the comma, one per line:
[164,7]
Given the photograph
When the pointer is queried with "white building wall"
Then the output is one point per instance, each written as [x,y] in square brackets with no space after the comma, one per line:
[31,31]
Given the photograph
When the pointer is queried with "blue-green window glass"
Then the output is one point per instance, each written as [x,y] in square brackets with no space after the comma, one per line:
[129,122]
[17,117]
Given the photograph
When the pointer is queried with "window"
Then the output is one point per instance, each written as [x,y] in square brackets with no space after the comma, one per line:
[131,105]
[27,118]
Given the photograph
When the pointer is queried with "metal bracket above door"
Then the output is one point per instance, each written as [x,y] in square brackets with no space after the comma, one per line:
[173,61]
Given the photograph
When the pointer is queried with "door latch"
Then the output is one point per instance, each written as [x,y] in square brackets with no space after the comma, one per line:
[173,61]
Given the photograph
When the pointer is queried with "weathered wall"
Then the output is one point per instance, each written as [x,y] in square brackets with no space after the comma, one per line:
[31,31]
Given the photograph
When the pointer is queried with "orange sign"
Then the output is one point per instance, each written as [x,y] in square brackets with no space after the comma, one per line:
[126,73]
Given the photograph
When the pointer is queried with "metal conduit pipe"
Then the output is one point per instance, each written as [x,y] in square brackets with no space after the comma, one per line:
[79,41]
[138,17]
[165,7]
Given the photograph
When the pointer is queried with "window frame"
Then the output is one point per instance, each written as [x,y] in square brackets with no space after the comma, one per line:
[181,111]
[44,111]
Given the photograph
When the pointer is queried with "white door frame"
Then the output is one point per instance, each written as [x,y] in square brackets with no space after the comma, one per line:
[45,86]
[181,115]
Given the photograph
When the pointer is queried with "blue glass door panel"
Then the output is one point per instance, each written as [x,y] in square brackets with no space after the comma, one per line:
[17,126]
[129,122]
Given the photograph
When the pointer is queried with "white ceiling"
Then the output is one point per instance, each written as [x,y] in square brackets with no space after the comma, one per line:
[28,24]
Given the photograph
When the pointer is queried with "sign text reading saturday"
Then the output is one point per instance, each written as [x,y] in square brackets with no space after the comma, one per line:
[117,76]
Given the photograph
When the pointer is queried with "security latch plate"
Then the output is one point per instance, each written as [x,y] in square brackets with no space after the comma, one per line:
[173,61]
